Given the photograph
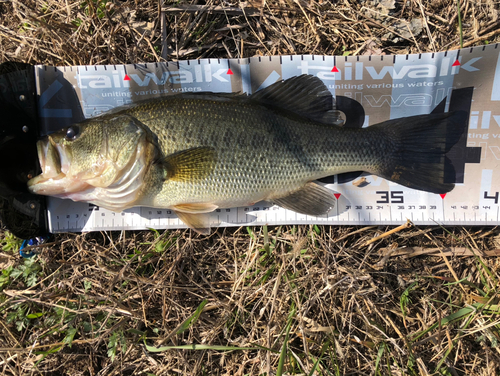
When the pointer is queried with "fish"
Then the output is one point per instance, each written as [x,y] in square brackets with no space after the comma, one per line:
[194,153]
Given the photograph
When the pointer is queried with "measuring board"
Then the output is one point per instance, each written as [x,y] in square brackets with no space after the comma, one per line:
[368,89]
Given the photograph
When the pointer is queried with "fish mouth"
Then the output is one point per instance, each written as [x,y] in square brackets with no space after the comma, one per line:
[54,162]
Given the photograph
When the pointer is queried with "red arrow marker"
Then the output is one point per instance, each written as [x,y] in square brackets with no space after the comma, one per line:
[456,63]
[229,71]
[443,195]
[335,70]
[337,195]
[126,78]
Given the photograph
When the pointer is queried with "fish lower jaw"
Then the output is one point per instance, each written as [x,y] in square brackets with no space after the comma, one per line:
[103,198]
[45,185]
[112,198]
[55,185]
[83,193]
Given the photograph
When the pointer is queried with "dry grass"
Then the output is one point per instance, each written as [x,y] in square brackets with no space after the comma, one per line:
[347,306]
[319,300]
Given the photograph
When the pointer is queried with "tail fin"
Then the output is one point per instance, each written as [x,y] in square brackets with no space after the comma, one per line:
[419,146]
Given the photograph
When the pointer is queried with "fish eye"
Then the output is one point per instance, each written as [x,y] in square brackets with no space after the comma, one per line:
[72,133]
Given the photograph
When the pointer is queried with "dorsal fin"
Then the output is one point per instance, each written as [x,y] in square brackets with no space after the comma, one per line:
[305,95]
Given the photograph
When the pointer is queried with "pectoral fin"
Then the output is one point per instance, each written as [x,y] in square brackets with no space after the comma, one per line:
[196,216]
[312,199]
[190,165]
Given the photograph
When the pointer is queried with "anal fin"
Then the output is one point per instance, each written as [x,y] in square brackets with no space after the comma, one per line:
[312,199]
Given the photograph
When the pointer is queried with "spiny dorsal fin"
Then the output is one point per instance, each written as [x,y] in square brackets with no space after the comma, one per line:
[190,165]
[312,199]
[305,95]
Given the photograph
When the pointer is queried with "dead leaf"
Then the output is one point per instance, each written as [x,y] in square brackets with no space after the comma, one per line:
[361,182]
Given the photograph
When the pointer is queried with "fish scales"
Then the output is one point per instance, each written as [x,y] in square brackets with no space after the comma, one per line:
[262,153]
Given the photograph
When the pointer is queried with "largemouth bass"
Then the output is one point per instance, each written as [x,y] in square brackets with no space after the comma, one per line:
[194,153]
